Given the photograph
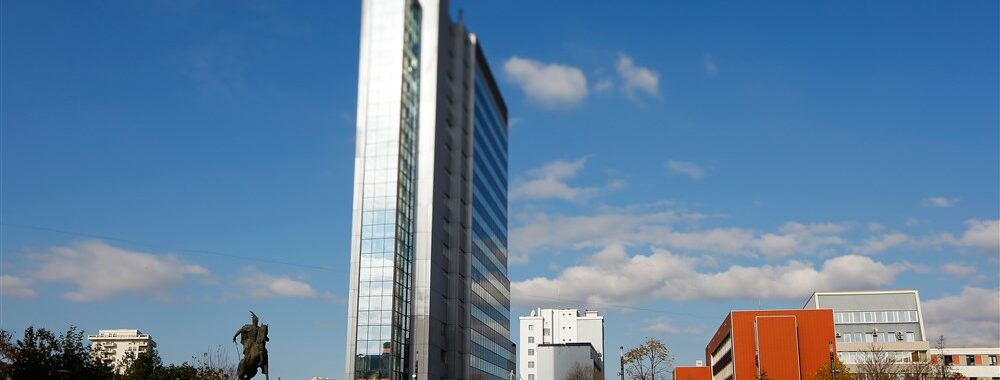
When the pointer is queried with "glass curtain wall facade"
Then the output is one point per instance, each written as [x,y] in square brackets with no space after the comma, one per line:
[492,353]
[382,327]
[429,293]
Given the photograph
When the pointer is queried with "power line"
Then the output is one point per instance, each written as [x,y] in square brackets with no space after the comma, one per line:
[160,246]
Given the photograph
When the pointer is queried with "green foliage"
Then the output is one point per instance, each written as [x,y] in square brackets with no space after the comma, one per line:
[40,354]
[149,366]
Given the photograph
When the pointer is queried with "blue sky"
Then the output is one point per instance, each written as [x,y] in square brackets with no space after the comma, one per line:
[669,162]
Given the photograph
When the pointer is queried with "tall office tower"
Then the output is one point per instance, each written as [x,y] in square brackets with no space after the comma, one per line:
[429,294]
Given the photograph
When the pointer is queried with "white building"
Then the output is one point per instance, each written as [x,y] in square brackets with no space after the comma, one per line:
[971,363]
[555,339]
[890,319]
[557,360]
[111,346]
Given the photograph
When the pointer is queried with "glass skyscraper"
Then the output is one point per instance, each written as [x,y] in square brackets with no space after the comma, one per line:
[429,293]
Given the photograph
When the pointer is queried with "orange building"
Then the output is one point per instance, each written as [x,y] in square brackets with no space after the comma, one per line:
[783,344]
[692,373]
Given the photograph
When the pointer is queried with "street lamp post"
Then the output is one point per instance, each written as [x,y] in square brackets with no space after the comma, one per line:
[833,364]
[621,361]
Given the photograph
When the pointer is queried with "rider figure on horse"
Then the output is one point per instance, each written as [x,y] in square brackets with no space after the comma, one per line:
[253,337]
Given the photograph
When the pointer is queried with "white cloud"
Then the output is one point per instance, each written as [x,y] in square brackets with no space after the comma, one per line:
[882,243]
[689,169]
[640,225]
[711,68]
[637,78]
[604,84]
[795,237]
[664,326]
[100,271]
[970,319]
[263,285]
[16,287]
[959,270]
[550,84]
[982,233]
[939,202]
[613,276]
[660,226]
[550,182]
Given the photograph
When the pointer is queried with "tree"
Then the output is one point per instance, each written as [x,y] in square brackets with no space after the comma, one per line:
[942,369]
[40,354]
[217,361]
[843,373]
[580,372]
[879,364]
[146,365]
[648,361]
[6,354]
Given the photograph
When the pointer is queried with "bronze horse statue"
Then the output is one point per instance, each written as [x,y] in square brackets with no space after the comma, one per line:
[255,357]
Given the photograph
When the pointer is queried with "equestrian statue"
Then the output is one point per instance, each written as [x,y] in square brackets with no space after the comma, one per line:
[254,339]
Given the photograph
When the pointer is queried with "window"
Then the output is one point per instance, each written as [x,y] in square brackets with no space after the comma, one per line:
[531,339]
[531,327]
[847,338]
[869,338]
[531,364]
[993,360]
[910,337]
[547,332]
[970,360]
[531,352]
[857,337]
[531,376]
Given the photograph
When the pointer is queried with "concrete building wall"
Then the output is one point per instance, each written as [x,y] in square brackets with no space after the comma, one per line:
[891,319]
[971,362]
[556,326]
[557,361]
[783,342]
[692,373]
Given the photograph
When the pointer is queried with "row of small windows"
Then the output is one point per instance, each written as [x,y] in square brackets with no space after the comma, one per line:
[970,360]
[875,316]
[882,337]
[852,357]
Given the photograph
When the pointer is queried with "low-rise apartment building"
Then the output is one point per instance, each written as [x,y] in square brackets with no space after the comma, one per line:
[112,346]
